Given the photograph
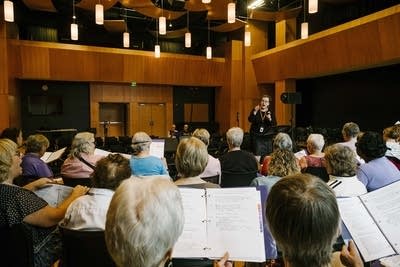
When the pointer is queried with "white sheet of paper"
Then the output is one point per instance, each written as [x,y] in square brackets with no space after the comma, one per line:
[157,148]
[105,153]
[370,241]
[52,156]
[54,194]
[194,238]
[235,224]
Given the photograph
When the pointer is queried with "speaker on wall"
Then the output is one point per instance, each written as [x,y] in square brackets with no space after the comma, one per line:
[291,98]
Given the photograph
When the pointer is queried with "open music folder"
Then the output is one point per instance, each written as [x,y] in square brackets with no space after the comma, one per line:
[52,156]
[373,221]
[219,220]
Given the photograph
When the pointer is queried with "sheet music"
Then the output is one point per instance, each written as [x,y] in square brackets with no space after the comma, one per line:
[370,241]
[52,156]
[157,148]
[54,194]
[235,224]
[384,204]
[193,239]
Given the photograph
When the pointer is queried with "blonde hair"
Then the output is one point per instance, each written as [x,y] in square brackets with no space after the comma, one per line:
[7,151]
[203,135]
[283,162]
[191,157]
[144,221]
[340,160]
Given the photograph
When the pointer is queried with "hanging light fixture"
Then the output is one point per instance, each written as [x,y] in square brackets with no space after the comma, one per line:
[74,25]
[188,35]
[304,25]
[99,13]
[231,12]
[209,48]
[162,21]
[247,36]
[8,11]
[157,46]
[312,6]
[206,1]
[247,33]
[125,36]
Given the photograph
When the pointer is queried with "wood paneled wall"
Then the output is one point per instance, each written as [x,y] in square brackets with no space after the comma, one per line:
[124,93]
[367,42]
[53,61]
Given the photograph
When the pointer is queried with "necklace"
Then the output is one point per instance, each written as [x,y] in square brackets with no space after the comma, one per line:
[263,116]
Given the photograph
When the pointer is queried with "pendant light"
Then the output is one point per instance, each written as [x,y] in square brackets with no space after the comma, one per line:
[312,6]
[304,25]
[125,36]
[74,25]
[209,48]
[162,21]
[188,35]
[99,13]
[231,12]
[247,33]
[206,1]
[157,46]
[8,11]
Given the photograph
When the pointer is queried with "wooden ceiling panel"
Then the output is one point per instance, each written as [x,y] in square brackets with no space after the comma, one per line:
[42,5]
[90,4]
[115,25]
[228,27]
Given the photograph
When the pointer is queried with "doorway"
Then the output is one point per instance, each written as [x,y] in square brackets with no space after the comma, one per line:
[152,117]
[113,119]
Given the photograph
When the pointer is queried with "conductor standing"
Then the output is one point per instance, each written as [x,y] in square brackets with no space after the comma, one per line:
[262,119]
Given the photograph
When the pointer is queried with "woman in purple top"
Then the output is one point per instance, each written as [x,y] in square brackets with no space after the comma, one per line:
[377,171]
[32,165]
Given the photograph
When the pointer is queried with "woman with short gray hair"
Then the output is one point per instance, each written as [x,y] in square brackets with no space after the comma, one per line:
[32,165]
[81,160]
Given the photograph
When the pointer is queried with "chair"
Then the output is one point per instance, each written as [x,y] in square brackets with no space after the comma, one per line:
[84,248]
[229,179]
[77,181]
[16,246]
[212,179]
[319,172]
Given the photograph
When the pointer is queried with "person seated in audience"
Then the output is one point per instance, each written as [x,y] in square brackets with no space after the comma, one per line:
[350,131]
[237,162]
[315,157]
[281,141]
[32,165]
[81,160]
[144,221]
[282,163]
[142,163]
[303,217]
[391,135]
[378,170]
[190,161]
[14,134]
[89,211]
[213,167]
[341,165]
[21,205]
[173,132]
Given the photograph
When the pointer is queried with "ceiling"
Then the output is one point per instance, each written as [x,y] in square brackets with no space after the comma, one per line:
[49,20]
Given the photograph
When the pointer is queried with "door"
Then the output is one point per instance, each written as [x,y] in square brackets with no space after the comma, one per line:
[112,119]
[152,118]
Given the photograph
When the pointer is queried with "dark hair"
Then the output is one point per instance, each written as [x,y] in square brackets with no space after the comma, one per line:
[111,171]
[11,133]
[371,145]
[303,217]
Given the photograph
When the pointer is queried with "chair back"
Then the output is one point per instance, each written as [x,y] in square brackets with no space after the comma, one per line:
[16,246]
[77,181]
[212,179]
[319,172]
[84,248]
[229,179]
